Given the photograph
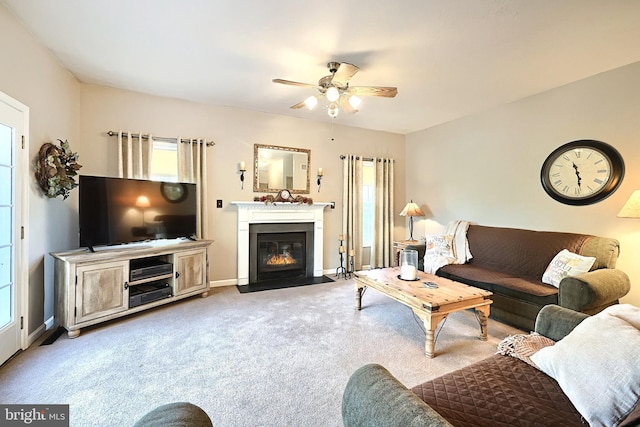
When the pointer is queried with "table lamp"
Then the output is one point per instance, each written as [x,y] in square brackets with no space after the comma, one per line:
[411,210]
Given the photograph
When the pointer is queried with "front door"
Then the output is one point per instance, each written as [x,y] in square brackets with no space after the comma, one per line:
[13,123]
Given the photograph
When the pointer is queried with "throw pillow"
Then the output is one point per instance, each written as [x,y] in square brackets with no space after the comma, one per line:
[597,365]
[438,245]
[522,346]
[565,264]
[438,252]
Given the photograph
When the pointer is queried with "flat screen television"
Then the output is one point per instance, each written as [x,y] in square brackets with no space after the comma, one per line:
[117,210]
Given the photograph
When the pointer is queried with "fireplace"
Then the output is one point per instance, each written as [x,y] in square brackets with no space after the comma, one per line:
[278,251]
[276,216]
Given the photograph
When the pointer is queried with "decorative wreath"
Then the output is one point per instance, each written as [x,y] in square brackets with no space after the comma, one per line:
[56,168]
[270,199]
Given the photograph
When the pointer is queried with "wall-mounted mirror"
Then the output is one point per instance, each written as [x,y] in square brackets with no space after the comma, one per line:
[277,168]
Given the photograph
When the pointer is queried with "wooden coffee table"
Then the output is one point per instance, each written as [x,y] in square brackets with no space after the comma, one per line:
[430,305]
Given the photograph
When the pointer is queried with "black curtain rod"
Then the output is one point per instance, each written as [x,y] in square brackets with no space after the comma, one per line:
[367,159]
[159,138]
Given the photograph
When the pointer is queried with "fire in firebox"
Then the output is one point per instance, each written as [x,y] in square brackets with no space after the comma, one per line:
[284,258]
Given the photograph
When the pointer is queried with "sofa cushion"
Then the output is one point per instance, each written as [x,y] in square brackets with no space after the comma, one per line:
[520,253]
[565,264]
[598,365]
[495,280]
[499,391]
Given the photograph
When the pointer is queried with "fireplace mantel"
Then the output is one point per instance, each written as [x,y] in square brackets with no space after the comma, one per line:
[262,213]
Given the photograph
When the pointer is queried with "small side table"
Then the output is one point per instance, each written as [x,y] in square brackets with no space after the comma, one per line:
[398,246]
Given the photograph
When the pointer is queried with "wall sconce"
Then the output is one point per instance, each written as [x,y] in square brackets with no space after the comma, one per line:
[320,175]
[243,169]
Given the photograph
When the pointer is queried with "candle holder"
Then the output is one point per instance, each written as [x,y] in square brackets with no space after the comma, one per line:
[350,271]
[341,271]
[242,169]
[320,175]
[409,264]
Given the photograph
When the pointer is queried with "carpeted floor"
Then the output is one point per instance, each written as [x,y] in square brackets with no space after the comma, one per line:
[272,358]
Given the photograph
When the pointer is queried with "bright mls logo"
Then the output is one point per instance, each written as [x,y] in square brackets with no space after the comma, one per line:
[35,415]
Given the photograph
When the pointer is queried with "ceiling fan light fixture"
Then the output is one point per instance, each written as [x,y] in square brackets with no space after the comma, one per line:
[311,102]
[335,93]
[355,101]
[332,110]
[332,94]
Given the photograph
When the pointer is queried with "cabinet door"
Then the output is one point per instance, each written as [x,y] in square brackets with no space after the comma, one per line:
[100,290]
[190,270]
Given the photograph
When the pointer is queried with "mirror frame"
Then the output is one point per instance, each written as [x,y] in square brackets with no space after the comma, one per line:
[257,147]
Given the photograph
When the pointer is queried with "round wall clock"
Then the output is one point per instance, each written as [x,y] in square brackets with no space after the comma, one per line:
[173,192]
[582,172]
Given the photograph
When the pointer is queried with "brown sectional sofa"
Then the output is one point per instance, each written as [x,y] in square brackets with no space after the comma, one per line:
[494,392]
[510,263]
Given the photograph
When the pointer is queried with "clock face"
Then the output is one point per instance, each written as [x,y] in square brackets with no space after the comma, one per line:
[174,192]
[285,194]
[582,172]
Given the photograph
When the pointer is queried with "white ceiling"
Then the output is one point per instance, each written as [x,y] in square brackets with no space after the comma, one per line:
[448,58]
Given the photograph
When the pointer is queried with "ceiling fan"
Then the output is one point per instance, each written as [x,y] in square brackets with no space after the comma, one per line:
[337,92]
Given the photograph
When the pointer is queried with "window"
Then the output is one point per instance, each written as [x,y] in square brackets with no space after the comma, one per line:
[164,161]
[368,202]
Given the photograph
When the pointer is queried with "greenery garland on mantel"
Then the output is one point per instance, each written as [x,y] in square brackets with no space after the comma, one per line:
[56,168]
[270,199]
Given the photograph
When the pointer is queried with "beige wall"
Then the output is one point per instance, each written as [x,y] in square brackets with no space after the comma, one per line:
[235,132]
[30,74]
[486,168]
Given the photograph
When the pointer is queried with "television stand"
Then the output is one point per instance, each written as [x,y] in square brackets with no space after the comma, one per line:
[94,287]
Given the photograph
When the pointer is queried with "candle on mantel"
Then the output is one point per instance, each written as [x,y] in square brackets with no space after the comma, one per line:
[352,252]
[242,166]
[341,249]
[341,237]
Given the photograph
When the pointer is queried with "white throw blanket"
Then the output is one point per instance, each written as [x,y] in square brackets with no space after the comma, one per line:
[459,253]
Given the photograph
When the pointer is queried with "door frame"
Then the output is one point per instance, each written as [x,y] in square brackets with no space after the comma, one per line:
[21,218]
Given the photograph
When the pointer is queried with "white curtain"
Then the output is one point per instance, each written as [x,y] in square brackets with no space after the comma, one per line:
[382,249]
[192,167]
[134,155]
[383,215]
[352,207]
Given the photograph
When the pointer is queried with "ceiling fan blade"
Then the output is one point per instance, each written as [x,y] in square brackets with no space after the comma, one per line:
[387,92]
[289,82]
[298,105]
[344,73]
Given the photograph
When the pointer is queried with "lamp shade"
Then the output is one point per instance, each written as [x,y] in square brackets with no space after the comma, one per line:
[142,202]
[631,209]
[411,209]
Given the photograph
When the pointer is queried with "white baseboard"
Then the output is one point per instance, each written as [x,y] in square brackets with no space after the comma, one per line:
[50,322]
[33,337]
[221,283]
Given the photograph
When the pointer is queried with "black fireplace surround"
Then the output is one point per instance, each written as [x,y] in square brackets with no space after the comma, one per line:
[280,251]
